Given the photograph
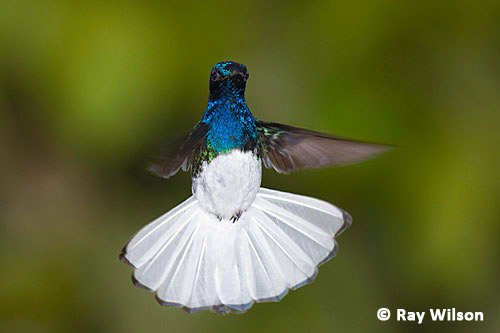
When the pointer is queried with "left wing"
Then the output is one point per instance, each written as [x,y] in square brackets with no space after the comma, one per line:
[166,167]
[287,148]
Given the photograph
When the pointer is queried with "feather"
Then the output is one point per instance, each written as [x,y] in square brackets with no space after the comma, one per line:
[287,148]
[193,260]
[166,166]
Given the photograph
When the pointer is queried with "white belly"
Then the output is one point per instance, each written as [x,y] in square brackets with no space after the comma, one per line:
[227,186]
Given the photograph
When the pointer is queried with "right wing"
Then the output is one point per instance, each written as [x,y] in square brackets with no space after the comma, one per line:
[287,148]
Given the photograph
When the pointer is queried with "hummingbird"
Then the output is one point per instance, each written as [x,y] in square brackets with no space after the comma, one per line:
[233,243]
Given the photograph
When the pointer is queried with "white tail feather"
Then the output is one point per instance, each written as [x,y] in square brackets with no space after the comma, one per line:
[195,261]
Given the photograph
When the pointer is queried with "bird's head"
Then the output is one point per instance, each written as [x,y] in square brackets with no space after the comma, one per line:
[228,79]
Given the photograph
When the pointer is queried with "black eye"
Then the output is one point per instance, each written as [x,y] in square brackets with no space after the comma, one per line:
[213,75]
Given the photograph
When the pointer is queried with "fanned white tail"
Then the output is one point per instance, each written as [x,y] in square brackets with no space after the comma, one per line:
[193,260]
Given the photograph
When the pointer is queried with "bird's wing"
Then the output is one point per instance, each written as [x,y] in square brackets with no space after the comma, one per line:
[166,167]
[287,148]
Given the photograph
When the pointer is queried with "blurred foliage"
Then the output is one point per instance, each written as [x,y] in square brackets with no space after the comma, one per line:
[88,87]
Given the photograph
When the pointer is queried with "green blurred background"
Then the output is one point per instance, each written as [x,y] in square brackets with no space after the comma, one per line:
[87,88]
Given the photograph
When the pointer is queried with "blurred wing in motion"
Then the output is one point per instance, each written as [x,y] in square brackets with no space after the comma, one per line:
[287,148]
[166,167]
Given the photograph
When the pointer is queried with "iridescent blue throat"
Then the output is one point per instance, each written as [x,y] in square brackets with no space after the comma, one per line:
[231,125]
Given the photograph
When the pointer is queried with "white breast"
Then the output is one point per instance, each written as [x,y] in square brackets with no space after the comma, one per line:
[227,186]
